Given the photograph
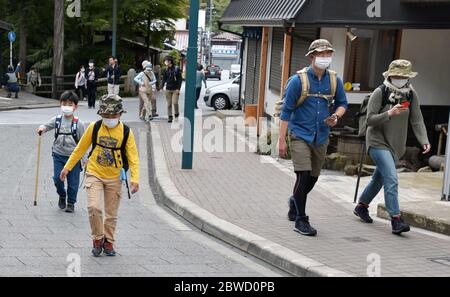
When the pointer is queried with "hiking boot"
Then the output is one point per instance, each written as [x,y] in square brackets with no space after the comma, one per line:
[170,119]
[108,249]
[362,211]
[70,208]
[399,226]
[303,227]
[97,247]
[62,202]
[292,213]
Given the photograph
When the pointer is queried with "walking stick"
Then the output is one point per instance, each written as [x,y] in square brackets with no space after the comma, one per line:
[361,160]
[37,169]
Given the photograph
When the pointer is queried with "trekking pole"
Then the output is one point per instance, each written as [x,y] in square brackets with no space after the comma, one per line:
[37,169]
[361,160]
[123,177]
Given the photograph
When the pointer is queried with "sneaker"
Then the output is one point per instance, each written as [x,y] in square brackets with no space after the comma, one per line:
[170,119]
[303,227]
[70,208]
[97,247]
[62,202]
[177,115]
[292,213]
[362,211]
[108,249]
[399,226]
[154,114]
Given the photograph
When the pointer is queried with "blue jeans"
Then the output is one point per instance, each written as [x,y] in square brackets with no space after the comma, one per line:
[385,175]
[73,179]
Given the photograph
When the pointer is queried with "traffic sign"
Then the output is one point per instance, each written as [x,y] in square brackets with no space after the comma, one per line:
[12,36]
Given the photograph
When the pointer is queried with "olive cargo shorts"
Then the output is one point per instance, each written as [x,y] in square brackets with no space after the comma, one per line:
[307,157]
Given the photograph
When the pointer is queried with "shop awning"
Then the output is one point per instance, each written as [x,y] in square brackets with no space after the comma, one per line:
[414,14]
[5,26]
[274,13]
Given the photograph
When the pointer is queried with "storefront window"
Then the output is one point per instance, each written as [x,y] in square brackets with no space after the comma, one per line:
[368,56]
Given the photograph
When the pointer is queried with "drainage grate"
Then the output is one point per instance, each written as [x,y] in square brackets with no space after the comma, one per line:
[443,260]
[356,239]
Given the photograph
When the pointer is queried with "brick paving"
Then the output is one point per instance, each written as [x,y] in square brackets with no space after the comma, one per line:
[251,194]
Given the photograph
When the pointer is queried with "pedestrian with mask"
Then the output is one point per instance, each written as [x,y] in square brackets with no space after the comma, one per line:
[113,149]
[308,121]
[92,76]
[113,74]
[146,81]
[81,83]
[390,109]
[68,131]
[172,80]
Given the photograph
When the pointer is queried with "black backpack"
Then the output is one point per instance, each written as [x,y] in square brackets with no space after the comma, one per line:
[122,148]
[361,116]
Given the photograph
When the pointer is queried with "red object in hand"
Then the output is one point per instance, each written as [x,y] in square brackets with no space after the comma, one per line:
[405,104]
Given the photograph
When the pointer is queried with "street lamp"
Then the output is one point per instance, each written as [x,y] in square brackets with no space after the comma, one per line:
[189,113]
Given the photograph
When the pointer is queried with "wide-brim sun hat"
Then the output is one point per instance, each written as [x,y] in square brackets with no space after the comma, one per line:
[401,68]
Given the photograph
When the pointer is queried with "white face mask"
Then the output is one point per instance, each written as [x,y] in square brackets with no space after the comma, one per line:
[110,123]
[67,110]
[323,62]
[91,65]
[166,63]
[399,83]
[82,69]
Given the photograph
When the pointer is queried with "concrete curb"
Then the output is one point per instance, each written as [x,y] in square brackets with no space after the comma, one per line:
[37,106]
[417,220]
[268,251]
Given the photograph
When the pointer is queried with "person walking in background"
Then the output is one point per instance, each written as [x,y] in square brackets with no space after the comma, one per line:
[146,80]
[34,79]
[113,74]
[138,82]
[200,79]
[390,109]
[81,83]
[92,76]
[172,81]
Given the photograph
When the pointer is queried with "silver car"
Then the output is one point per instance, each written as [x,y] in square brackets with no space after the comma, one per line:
[223,96]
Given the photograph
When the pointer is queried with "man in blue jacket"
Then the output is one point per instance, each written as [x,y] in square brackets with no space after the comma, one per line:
[113,74]
[309,125]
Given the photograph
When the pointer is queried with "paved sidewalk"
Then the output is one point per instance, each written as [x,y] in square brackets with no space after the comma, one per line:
[36,240]
[250,192]
[25,101]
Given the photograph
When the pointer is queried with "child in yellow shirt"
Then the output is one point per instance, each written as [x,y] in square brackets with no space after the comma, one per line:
[114,148]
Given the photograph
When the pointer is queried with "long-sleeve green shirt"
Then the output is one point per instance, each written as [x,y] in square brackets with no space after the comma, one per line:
[391,132]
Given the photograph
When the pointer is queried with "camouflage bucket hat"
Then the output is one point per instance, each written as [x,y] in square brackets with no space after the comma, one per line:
[320,45]
[400,68]
[110,104]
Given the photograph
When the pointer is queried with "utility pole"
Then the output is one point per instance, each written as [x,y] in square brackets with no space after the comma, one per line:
[211,8]
[114,32]
[189,113]
[446,184]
